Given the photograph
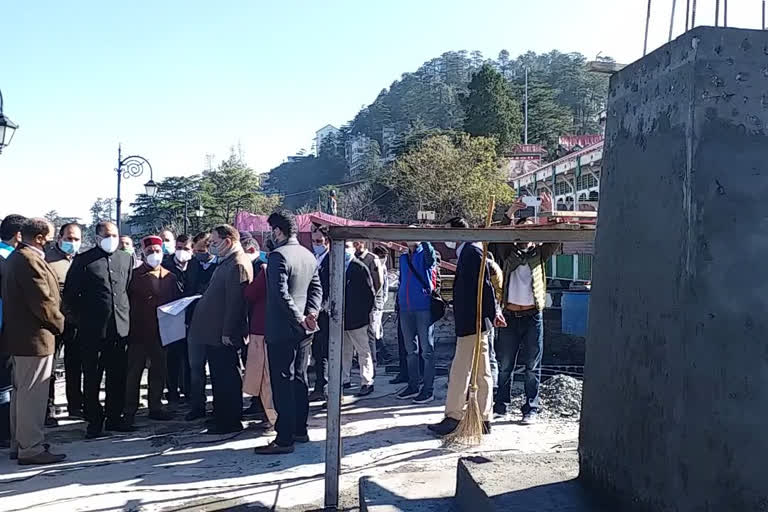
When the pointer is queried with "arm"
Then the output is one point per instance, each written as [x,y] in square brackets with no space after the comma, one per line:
[315,295]
[234,312]
[549,250]
[40,298]
[73,289]
[278,290]
[377,275]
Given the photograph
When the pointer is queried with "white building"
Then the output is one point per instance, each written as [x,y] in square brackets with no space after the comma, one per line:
[322,134]
[357,150]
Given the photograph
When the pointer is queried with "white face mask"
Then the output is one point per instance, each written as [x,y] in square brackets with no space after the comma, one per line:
[183,256]
[252,256]
[350,250]
[154,259]
[450,245]
[109,244]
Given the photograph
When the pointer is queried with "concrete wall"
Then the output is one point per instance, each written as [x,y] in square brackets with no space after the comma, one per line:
[675,413]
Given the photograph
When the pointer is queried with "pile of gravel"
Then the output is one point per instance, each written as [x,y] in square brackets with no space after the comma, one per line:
[560,398]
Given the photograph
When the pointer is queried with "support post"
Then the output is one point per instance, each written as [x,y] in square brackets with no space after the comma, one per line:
[647,23]
[118,200]
[336,333]
[672,19]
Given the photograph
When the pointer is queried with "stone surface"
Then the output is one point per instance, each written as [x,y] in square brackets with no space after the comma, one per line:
[423,491]
[676,376]
[522,483]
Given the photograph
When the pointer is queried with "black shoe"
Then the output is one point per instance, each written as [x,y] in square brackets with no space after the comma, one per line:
[486,428]
[51,422]
[317,396]
[173,399]
[120,426]
[445,427]
[301,439]
[194,415]
[424,398]
[400,379]
[407,393]
[273,449]
[95,433]
[365,390]
[348,385]
[231,429]
[160,415]
[75,414]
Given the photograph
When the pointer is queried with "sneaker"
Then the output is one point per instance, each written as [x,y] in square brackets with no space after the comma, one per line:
[400,379]
[407,393]
[445,427]
[530,418]
[424,398]
[365,390]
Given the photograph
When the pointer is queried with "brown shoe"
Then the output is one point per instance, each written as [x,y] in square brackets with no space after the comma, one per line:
[273,449]
[42,458]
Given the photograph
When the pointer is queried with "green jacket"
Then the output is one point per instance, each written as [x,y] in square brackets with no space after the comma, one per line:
[537,260]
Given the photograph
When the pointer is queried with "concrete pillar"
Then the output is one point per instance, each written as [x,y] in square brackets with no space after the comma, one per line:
[675,412]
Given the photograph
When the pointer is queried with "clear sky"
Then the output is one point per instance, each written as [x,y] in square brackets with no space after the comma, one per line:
[173,80]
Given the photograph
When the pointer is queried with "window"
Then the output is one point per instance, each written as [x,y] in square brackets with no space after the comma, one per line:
[564,266]
[585,267]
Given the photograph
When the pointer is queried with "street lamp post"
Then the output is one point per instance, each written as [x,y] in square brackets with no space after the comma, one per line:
[7,127]
[132,165]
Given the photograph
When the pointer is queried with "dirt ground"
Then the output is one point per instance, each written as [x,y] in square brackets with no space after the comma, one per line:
[173,466]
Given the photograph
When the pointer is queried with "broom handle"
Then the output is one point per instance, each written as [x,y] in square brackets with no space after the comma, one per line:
[479,314]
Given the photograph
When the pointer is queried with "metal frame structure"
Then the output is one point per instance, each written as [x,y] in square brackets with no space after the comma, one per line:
[132,165]
[339,235]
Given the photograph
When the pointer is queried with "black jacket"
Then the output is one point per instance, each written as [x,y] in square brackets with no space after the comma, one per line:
[293,290]
[358,296]
[96,293]
[324,270]
[465,293]
[169,264]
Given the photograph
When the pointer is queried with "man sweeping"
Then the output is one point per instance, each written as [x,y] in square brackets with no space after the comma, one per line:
[465,292]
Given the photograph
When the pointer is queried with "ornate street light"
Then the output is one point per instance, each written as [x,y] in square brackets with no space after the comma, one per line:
[7,127]
[132,166]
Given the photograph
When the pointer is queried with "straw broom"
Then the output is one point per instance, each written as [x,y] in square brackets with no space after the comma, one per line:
[470,429]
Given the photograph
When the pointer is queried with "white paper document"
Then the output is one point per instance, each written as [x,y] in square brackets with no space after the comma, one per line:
[170,319]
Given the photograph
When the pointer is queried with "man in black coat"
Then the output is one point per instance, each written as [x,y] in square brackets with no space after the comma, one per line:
[294,296]
[359,294]
[321,245]
[96,299]
[465,288]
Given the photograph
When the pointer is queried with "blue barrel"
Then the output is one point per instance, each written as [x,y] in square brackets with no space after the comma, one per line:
[575,311]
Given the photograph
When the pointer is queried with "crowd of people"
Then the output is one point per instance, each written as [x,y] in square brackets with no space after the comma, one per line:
[260,316]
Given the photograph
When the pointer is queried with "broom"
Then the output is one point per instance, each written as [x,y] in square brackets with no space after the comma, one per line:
[470,429]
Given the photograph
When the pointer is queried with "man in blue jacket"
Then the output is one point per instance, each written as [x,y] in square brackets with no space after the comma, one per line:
[470,257]
[418,278]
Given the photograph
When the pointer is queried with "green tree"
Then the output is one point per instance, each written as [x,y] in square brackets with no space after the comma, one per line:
[452,175]
[491,109]
[57,220]
[547,119]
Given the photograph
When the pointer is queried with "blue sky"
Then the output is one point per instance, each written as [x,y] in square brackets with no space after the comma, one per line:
[175,80]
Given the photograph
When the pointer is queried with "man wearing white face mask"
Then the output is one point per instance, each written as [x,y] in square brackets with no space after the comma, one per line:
[178,264]
[96,301]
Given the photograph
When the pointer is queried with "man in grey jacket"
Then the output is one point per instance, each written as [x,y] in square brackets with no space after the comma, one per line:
[294,297]
[220,323]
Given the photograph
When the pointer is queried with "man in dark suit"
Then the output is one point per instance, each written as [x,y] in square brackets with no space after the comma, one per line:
[465,288]
[359,296]
[321,245]
[96,299]
[294,297]
[32,319]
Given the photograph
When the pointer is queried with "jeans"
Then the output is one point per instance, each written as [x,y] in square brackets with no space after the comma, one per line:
[320,352]
[288,362]
[522,338]
[419,323]
[197,380]
[100,356]
[227,385]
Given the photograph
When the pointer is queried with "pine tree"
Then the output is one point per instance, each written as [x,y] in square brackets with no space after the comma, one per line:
[491,109]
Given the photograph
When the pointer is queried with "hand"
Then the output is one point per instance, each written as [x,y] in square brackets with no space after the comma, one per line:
[226,341]
[516,206]
[310,322]
[499,321]
[546,202]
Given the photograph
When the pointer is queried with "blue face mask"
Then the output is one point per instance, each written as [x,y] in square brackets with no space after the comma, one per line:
[319,250]
[263,256]
[347,259]
[69,248]
[169,247]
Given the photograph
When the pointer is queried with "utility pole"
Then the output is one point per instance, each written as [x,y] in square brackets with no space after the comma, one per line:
[526,106]
[672,19]
[647,22]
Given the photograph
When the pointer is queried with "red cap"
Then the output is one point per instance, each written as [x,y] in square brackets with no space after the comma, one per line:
[151,240]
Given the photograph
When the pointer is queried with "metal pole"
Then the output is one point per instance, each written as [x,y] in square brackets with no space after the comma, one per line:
[647,22]
[118,201]
[763,14]
[333,423]
[717,13]
[687,13]
[725,13]
[672,19]
[186,217]
[526,105]
[693,15]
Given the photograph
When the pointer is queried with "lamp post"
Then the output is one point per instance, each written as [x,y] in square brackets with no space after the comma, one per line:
[7,127]
[199,213]
[132,165]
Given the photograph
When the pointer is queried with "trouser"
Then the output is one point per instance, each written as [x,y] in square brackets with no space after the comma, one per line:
[403,354]
[257,382]
[141,356]
[6,385]
[492,337]
[320,352]
[178,369]
[522,339]
[419,323]
[50,409]
[357,340]
[459,379]
[197,379]
[31,380]
[288,361]
[374,334]
[104,356]
[73,370]
[227,385]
